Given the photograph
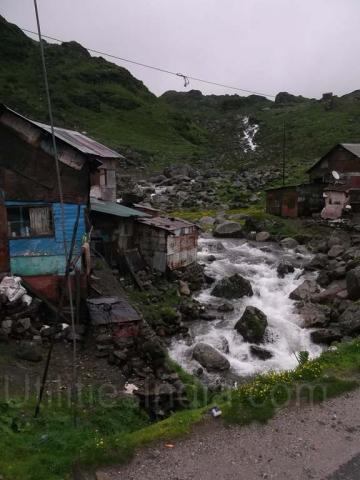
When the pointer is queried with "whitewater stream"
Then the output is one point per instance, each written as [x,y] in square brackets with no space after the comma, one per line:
[257,263]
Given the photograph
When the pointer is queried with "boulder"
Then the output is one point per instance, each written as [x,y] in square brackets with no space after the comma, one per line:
[324,278]
[256,224]
[228,230]
[315,315]
[349,321]
[207,221]
[6,326]
[353,283]
[210,358]
[284,268]
[177,170]
[318,262]
[252,325]
[336,251]
[235,286]
[335,289]
[289,243]
[260,352]
[184,288]
[263,236]
[154,351]
[22,325]
[326,335]
[305,291]
[226,307]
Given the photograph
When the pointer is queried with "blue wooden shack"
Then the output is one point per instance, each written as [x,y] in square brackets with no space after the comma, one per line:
[31,233]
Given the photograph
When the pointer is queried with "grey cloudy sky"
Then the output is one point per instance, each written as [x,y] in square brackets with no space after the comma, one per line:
[302,46]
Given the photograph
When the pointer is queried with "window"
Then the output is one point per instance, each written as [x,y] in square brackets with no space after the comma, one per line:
[24,221]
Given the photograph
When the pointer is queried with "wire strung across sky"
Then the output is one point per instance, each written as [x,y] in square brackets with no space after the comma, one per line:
[186,78]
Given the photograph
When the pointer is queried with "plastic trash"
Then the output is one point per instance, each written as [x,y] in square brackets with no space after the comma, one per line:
[130,388]
[216,412]
[11,287]
[26,299]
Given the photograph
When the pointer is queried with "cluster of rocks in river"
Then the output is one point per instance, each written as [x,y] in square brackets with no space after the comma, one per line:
[327,299]
[182,186]
[328,302]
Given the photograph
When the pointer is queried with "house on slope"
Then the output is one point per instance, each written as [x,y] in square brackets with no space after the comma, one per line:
[31,227]
[335,177]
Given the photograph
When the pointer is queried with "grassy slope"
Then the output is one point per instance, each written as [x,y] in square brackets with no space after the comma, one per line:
[47,448]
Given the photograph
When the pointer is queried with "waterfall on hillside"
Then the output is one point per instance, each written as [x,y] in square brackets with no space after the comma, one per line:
[249,134]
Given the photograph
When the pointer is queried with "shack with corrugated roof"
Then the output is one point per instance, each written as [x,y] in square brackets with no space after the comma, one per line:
[31,227]
[167,243]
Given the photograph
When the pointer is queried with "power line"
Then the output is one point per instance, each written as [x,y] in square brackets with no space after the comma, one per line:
[59,183]
[186,78]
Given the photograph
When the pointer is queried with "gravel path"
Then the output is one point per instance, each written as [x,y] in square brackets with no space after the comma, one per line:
[320,442]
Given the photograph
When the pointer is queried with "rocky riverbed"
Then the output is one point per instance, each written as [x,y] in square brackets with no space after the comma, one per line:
[266,301]
[256,330]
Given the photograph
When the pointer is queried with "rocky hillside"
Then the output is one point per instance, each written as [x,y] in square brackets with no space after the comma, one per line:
[105,100]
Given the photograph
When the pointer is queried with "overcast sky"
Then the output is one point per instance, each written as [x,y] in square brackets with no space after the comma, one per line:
[302,46]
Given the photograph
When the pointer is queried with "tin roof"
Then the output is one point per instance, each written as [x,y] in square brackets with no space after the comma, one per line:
[166,223]
[116,209]
[354,148]
[77,140]
[81,142]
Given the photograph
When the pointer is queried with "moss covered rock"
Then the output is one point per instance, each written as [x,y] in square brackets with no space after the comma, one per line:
[252,325]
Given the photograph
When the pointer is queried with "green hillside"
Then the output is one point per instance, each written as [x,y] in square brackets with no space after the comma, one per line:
[93,95]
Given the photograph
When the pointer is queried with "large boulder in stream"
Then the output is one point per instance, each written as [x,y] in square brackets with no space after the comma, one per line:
[235,286]
[228,230]
[252,325]
[210,358]
[284,268]
[260,352]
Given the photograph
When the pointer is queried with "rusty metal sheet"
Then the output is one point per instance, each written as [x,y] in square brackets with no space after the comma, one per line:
[81,142]
[173,225]
[108,310]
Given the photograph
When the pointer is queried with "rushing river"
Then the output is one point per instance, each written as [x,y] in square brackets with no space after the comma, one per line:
[257,263]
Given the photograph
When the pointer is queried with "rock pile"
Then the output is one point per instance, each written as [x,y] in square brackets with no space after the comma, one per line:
[329,303]
[182,186]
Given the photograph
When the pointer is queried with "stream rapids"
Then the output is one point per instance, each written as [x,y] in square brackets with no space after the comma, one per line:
[285,335]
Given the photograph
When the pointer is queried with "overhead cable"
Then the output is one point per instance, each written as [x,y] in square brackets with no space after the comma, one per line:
[186,78]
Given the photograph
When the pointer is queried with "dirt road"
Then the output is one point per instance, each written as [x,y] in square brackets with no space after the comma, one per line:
[321,442]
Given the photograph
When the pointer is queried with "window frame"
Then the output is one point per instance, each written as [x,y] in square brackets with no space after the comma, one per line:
[28,206]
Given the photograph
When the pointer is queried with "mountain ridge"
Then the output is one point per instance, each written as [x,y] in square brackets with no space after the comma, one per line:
[104,99]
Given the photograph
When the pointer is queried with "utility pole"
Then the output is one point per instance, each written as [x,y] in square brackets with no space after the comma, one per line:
[283,154]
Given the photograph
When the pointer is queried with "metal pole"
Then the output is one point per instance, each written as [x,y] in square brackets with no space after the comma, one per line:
[283,154]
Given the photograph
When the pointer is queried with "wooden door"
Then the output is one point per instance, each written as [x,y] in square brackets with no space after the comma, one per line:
[4,243]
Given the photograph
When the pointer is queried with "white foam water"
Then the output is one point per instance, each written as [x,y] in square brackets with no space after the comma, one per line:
[249,134]
[271,295]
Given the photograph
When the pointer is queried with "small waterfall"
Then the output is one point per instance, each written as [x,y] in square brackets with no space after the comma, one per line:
[271,295]
[249,134]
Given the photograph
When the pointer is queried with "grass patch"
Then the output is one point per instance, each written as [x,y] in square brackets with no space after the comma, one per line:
[48,447]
